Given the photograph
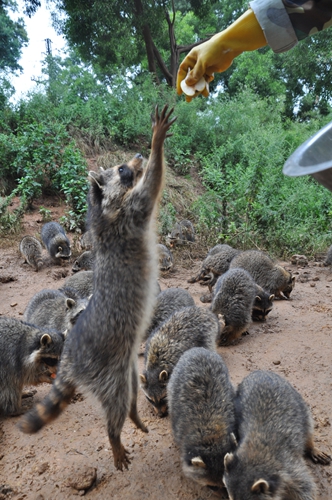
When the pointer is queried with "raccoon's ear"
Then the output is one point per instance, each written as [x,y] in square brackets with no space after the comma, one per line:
[258,298]
[293,279]
[271,297]
[163,376]
[96,190]
[198,462]
[59,249]
[64,334]
[233,439]
[260,486]
[142,378]
[228,459]
[70,303]
[45,339]
[94,177]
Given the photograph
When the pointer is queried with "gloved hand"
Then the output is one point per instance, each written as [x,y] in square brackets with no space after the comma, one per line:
[217,54]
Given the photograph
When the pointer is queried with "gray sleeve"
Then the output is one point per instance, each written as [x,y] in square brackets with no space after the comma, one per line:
[275,23]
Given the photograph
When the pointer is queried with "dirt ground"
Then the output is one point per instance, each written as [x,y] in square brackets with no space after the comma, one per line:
[72,456]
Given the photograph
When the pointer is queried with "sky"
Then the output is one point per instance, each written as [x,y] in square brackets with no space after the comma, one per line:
[39,28]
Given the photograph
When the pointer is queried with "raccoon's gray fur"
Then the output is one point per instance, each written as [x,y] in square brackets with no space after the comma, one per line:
[275,431]
[31,250]
[28,356]
[263,304]
[54,309]
[82,282]
[100,353]
[274,279]
[165,257]
[201,408]
[328,258]
[84,262]
[234,297]
[55,240]
[216,249]
[168,302]
[190,327]
[214,265]
[85,241]
[182,232]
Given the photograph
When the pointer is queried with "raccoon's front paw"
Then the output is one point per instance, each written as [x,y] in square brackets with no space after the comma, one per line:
[319,457]
[28,394]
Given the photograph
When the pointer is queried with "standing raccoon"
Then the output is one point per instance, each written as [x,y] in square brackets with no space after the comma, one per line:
[168,302]
[215,264]
[165,258]
[190,327]
[84,262]
[100,354]
[201,407]
[234,297]
[275,432]
[55,240]
[81,282]
[54,309]
[28,356]
[274,279]
[31,250]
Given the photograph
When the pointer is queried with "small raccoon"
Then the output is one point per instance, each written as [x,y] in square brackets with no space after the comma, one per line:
[55,240]
[85,241]
[84,262]
[234,297]
[263,304]
[182,232]
[31,250]
[328,258]
[100,354]
[28,356]
[165,257]
[53,309]
[216,249]
[203,419]
[299,260]
[274,279]
[82,282]
[275,432]
[168,302]
[190,327]
[214,265]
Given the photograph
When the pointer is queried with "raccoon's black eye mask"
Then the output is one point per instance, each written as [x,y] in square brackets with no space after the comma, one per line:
[126,175]
[50,361]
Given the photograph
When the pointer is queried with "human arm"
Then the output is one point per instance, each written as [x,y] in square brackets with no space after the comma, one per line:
[278,23]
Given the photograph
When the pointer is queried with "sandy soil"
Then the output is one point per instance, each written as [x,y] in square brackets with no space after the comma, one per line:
[72,456]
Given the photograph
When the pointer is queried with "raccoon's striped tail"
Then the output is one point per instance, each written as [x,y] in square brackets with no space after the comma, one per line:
[49,409]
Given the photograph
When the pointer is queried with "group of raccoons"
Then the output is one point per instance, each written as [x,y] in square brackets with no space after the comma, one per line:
[86,336]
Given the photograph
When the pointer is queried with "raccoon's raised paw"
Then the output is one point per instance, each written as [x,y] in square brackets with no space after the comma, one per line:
[319,457]
[121,458]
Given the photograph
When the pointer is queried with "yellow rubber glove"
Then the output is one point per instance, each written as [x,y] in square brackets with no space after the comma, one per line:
[217,54]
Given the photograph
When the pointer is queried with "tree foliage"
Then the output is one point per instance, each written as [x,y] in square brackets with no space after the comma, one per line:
[13,37]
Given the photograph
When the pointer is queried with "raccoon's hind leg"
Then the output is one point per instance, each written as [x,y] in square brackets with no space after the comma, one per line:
[315,454]
[133,413]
